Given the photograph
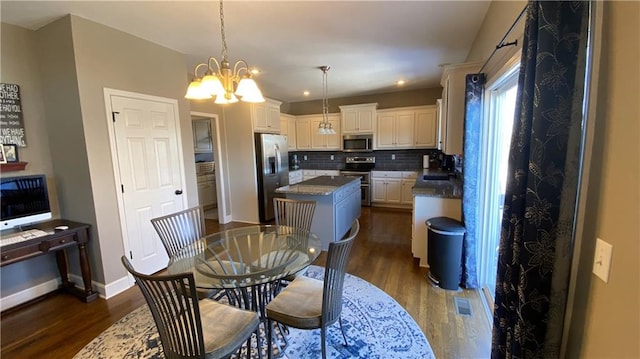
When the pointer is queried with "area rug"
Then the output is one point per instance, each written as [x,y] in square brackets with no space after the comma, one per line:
[375,324]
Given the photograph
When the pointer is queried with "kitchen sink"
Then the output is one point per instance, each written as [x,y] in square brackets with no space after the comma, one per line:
[436,177]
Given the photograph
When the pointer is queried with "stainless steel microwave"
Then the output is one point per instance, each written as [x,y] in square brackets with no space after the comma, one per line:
[357,143]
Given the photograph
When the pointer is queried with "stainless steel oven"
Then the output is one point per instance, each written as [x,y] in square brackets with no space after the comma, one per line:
[361,167]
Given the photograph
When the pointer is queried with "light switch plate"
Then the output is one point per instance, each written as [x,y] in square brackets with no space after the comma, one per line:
[393,157]
[602,259]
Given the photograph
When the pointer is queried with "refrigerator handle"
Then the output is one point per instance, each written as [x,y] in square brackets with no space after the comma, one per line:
[276,148]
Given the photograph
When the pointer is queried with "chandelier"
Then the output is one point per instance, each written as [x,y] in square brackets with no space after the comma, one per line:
[324,127]
[223,83]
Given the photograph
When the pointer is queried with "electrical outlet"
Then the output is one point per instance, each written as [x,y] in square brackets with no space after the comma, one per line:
[305,157]
[602,260]
[331,157]
[393,157]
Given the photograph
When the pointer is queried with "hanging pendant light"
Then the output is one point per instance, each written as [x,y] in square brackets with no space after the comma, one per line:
[225,84]
[324,127]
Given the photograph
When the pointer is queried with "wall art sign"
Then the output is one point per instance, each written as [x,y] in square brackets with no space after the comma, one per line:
[11,119]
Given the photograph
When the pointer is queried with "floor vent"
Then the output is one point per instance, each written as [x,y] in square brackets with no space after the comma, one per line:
[463,306]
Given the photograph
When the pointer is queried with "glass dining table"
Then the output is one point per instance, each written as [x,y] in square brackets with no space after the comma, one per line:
[247,263]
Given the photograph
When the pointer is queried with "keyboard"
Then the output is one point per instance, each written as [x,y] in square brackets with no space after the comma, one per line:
[21,236]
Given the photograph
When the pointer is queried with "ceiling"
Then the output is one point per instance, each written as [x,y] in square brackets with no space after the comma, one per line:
[369,45]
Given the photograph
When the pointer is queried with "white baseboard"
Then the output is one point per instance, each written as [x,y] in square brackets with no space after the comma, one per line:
[104,291]
[28,294]
[117,287]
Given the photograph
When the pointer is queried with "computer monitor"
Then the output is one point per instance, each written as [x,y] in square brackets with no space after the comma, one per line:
[23,200]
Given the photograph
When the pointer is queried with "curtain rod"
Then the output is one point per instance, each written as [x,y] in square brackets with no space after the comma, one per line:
[502,44]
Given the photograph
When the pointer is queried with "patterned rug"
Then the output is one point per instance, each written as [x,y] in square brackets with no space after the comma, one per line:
[375,324]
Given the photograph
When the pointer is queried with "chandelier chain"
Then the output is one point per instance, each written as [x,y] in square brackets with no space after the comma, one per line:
[224,38]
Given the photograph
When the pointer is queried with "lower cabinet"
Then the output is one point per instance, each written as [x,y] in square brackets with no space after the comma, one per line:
[425,208]
[296,177]
[392,187]
[207,194]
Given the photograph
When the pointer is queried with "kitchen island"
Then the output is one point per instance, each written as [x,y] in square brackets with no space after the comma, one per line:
[337,204]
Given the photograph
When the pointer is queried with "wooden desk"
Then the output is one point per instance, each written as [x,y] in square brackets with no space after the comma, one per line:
[56,241]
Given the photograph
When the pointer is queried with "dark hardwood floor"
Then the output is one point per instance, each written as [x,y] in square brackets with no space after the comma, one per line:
[58,325]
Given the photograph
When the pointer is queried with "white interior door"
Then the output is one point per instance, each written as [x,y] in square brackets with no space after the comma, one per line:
[151,174]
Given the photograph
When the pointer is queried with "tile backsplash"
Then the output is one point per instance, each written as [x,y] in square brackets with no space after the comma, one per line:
[404,159]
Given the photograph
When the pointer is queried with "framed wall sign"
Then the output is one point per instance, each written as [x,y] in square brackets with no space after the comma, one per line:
[11,119]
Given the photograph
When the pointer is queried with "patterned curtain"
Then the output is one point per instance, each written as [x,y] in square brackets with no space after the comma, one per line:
[473,114]
[540,203]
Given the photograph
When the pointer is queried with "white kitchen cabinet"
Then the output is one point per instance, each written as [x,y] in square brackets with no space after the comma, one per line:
[309,174]
[288,128]
[202,135]
[426,128]
[408,181]
[386,186]
[295,177]
[358,118]
[327,173]
[407,127]
[303,133]
[325,142]
[425,208]
[266,116]
[395,129]
[453,105]
[207,192]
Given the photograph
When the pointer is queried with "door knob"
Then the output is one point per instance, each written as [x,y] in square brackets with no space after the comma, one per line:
[178,192]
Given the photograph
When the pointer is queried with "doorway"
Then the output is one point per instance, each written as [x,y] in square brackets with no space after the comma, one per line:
[217,182]
[496,140]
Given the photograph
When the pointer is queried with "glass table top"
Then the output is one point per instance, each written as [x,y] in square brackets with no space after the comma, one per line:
[246,256]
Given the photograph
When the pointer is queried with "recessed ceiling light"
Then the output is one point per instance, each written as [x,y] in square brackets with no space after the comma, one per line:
[255,71]
[306,93]
[400,82]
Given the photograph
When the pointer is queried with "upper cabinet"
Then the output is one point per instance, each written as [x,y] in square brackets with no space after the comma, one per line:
[266,116]
[308,138]
[453,106]
[426,127]
[358,118]
[288,128]
[407,127]
[395,129]
[202,135]
[325,142]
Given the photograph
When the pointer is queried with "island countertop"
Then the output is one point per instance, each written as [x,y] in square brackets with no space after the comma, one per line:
[321,185]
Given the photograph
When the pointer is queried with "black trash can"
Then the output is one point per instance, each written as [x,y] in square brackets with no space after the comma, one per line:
[444,254]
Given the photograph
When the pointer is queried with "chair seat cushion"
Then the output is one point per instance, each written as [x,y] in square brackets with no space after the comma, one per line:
[299,305]
[224,327]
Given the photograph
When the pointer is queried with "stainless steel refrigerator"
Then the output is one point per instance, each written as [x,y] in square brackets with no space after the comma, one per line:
[272,163]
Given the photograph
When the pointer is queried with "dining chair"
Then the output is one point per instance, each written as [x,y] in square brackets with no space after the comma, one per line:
[308,303]
[293,213]
[180,229]
[193,328]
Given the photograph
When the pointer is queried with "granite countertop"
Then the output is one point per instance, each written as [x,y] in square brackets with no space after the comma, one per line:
[321,185]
